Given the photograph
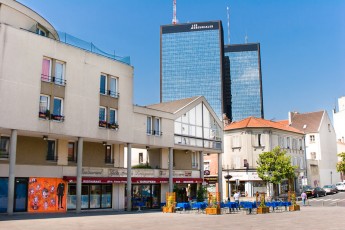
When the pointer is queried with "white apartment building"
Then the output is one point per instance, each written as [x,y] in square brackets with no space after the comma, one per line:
[245,140]
[339,126]
[66,118]
[321,147]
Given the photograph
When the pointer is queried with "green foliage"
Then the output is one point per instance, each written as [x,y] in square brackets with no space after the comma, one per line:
[141,166]
[275,166]
[201,194]
[341,163]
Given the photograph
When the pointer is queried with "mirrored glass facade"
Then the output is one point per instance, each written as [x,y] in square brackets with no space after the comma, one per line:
[191,62]
[243,89]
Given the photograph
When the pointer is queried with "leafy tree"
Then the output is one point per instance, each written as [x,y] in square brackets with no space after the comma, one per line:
[201,194]
[275,166]
[341,164]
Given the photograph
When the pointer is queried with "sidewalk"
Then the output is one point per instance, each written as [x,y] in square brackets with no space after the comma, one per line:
[308,218]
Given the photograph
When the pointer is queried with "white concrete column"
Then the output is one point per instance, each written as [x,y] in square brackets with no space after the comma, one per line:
[220,173]
[171,158]
[79,172]
[11,175]
[129,177]
[201,165]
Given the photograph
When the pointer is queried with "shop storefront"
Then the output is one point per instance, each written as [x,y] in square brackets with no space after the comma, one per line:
[20,194]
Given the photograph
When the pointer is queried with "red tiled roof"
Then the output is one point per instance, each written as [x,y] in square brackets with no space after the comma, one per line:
[253,122]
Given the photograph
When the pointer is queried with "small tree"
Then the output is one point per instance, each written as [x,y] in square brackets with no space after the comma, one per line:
[201,194]
[275,166]
[341,164]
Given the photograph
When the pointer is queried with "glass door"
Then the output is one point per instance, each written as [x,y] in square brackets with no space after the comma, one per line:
[95,196]
[21,195]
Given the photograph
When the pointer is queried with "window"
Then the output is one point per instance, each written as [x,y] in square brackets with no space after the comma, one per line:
[313,155]
[301,163]
[108,155]
[71,152]
[113,87]
[259,140]
[59,73]
[103,85]
[236,142]
[51,151]
[149,125]
[312,138]
[44,106]
[112,117]
[288,142]
[4,146]
[50,66]
[195,159]
[102,117]
[41,31]
[329,127]
[157,130]
[46,69]
[141,158]
[58,109]
[206,165]
[300,144]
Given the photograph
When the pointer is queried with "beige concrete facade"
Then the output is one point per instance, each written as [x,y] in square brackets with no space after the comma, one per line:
[22,84]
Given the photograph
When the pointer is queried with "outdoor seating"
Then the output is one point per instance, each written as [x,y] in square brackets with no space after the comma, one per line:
[199,206]
[182,207]
[248,206]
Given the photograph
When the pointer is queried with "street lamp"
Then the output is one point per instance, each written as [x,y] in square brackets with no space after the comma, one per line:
[228,177]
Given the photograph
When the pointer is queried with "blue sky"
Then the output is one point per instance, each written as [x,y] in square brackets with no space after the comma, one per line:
[302,42]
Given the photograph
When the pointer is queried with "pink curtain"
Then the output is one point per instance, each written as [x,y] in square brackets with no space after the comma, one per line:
[45,69]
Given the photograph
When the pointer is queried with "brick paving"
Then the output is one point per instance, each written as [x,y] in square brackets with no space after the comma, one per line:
[309,217]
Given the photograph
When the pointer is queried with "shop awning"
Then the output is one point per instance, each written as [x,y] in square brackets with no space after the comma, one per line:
[138,180]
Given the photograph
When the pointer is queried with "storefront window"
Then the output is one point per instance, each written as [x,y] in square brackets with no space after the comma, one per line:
[95,196]
[92,196]
[84,196]
[3,194]
[146,195]
[106,196]
[72,197]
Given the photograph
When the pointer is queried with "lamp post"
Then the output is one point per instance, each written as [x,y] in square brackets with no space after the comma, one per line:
[228,177]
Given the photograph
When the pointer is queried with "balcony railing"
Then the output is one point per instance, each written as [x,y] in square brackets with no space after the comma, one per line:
[154,132]
[4,154]
[50,157]
[104,124]
[111,93]
[57,117]
[58,81]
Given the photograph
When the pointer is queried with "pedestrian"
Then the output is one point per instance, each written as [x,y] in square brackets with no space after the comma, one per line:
[304,197]
[237,197]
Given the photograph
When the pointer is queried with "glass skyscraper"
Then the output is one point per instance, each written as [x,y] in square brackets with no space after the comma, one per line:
[242,81]
[191,62]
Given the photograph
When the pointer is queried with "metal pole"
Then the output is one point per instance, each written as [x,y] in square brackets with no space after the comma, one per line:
[129,177]
[79,173]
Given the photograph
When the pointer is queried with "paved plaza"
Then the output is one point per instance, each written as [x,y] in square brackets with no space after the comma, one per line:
[308,218]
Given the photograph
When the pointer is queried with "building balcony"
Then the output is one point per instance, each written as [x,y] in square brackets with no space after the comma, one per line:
[51,79]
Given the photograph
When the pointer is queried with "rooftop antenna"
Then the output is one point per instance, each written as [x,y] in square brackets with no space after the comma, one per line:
[228,13]
[174,20]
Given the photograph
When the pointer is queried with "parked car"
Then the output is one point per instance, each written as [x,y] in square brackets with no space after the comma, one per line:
[308,190]
[340,186]
[330,189]
[318,191]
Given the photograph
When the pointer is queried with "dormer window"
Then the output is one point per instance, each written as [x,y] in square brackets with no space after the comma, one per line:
[41,31]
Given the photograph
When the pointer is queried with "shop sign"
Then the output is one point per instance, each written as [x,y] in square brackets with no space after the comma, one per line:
[180,173]
[92,171]
[211,180]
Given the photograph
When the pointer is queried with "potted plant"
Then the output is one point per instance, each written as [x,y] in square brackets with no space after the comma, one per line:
[294,206]
[262,209]
[213,206]
[170,203]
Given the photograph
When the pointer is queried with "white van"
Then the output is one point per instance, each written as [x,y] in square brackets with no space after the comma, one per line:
[340,186]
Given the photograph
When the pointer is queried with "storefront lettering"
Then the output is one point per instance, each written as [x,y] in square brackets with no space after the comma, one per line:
[117,172]
[92,171]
